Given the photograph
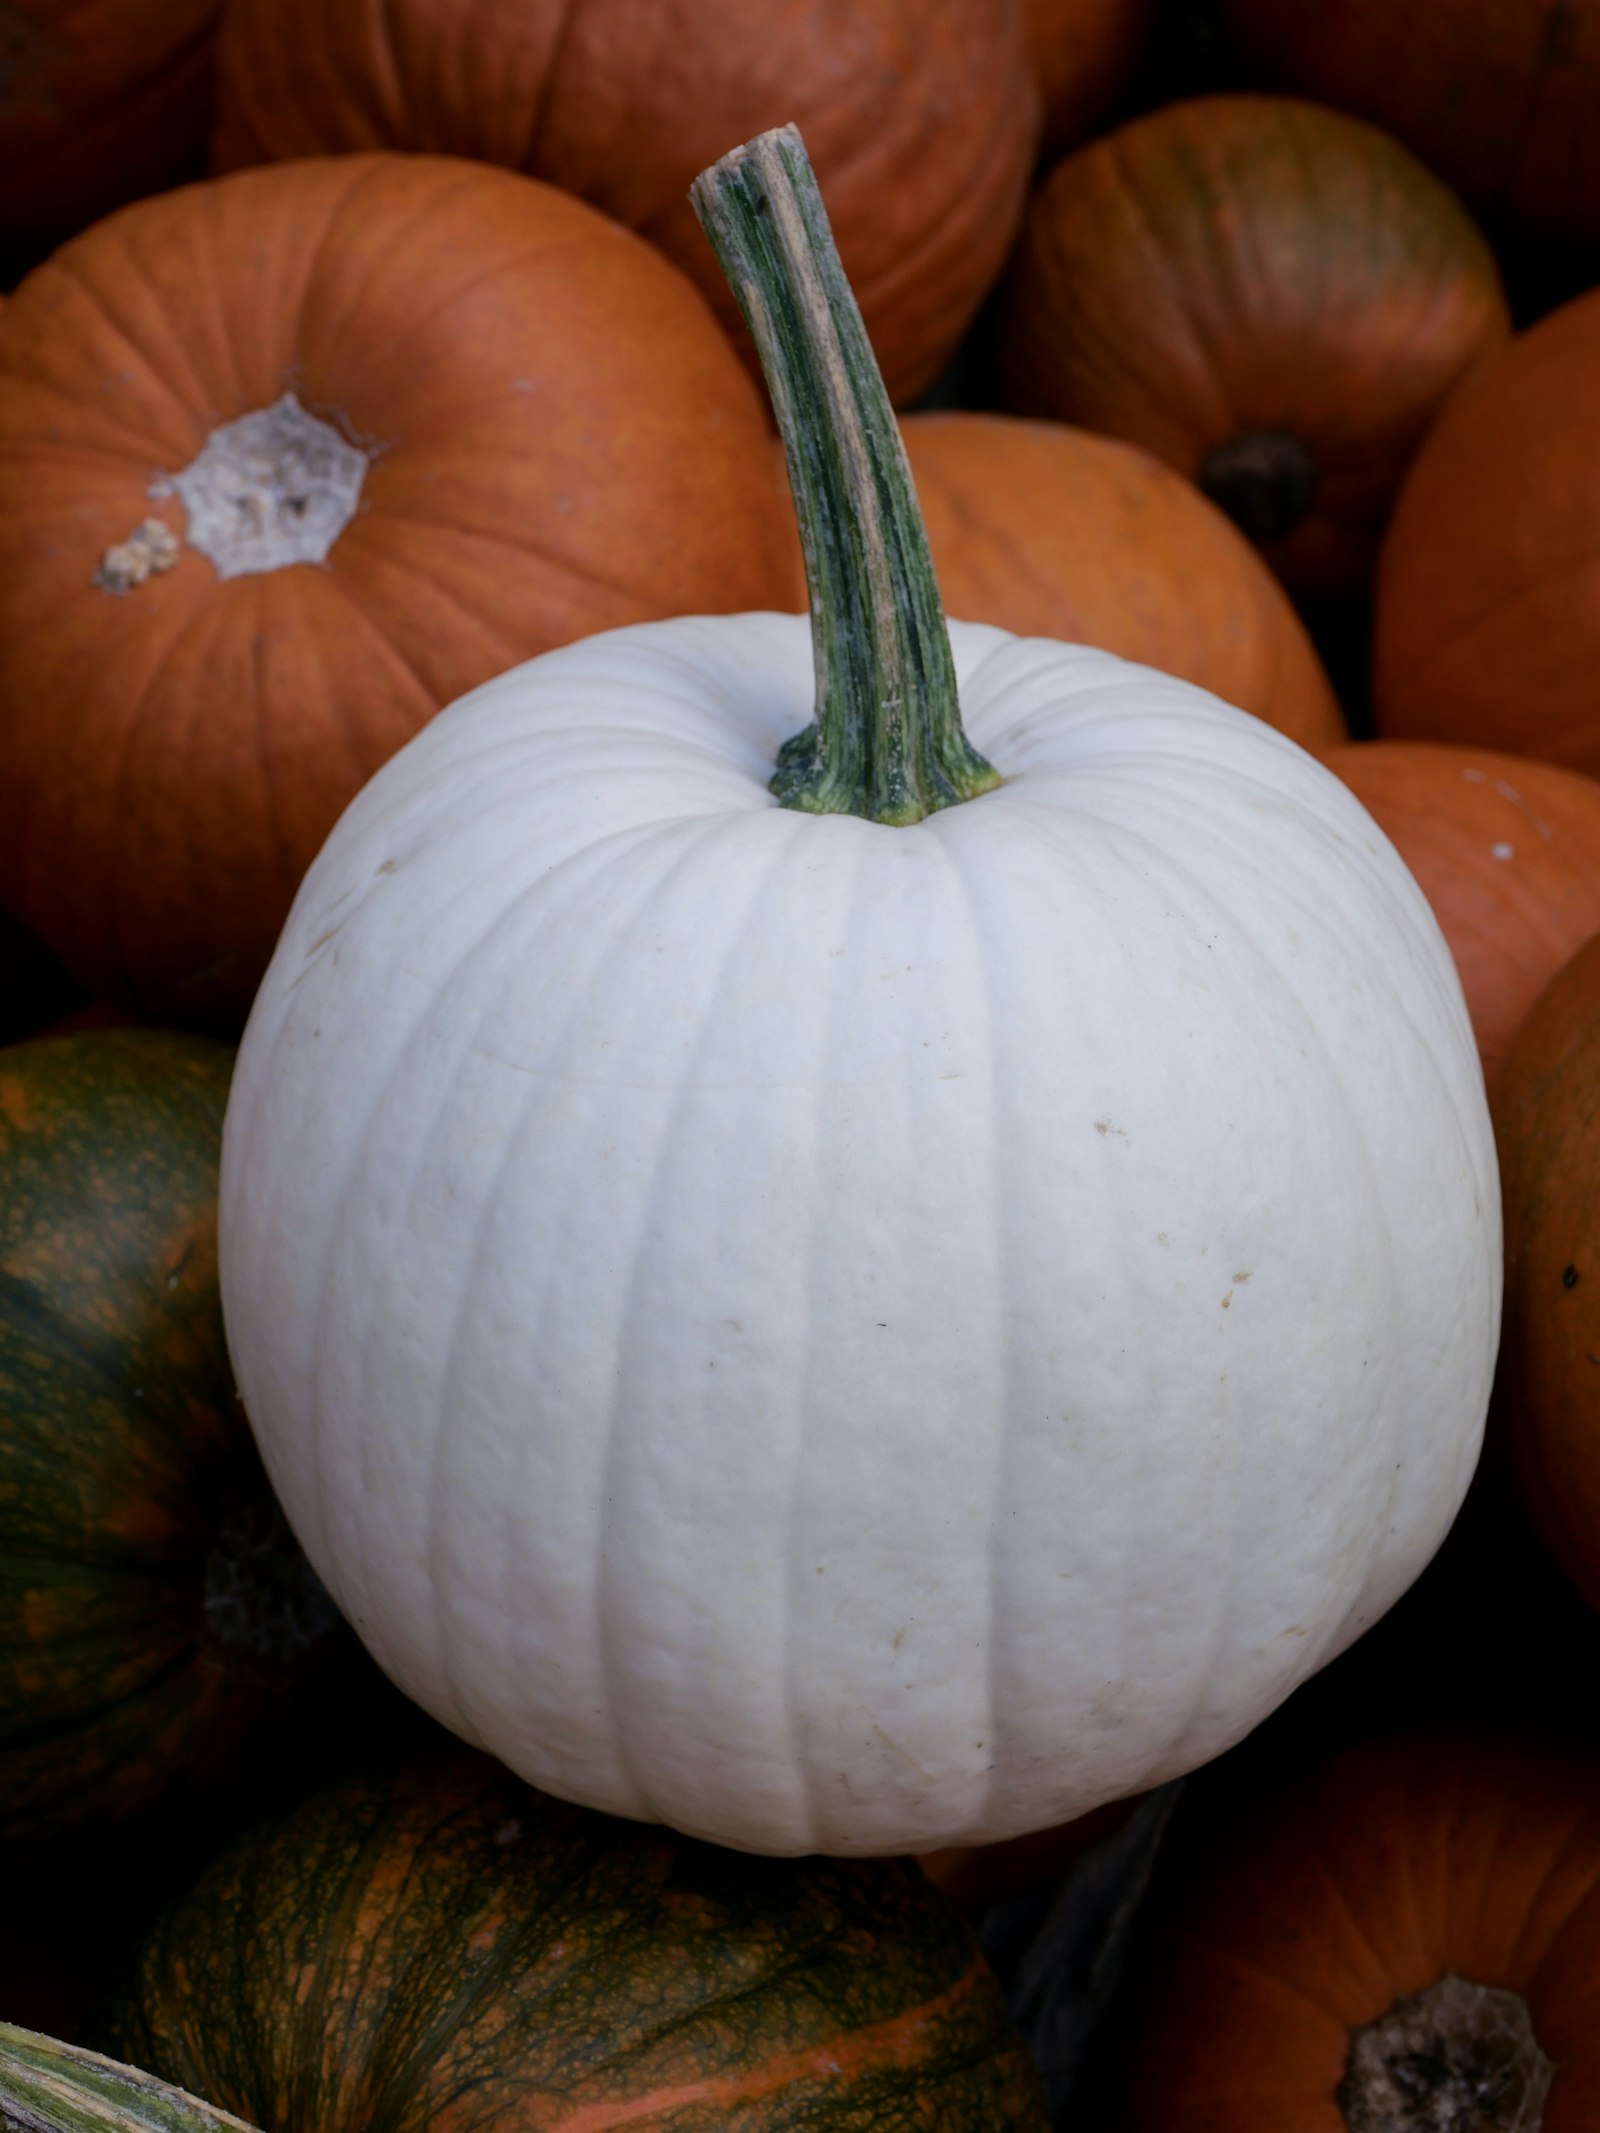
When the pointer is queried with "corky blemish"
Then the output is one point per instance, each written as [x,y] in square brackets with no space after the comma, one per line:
[1459,2055]
[273,488]
[149,548]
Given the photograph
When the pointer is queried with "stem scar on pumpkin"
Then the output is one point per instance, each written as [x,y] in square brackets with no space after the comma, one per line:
[275,487]
[1458,2054]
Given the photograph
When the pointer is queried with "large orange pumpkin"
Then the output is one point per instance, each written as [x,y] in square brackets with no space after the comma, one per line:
[1498,98]
[1546,1418]
[394,423]
[1409,1939]
[921,120]
[1506,850]
[1054,532]
[101,101]
[1272,297]
[1487,624]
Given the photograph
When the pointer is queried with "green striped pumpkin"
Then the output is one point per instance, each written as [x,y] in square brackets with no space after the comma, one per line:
[440,1947]
[153,1606]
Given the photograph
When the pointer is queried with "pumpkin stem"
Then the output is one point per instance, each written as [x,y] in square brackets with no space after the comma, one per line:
[887,741]
[49,2087]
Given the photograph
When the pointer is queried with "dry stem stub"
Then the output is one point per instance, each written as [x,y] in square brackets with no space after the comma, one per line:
[1457,2058]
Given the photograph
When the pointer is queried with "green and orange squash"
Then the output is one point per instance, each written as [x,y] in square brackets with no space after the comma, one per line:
[155,1613]
[437,1945]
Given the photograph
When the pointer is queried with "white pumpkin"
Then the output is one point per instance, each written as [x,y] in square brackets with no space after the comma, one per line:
[849,1337]
[858,1338]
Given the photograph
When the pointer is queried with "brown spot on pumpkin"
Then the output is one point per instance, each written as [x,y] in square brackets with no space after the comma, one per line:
[1569,1277]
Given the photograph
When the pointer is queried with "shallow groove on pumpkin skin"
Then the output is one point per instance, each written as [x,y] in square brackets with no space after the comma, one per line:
[1202,896]
[631,1417]
[581,871]
[610,1557]
[1002,1254]
[364,1160]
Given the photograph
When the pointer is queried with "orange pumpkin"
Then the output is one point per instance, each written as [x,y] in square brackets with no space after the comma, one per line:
[1409,1938]
[1506,850]
[1272,297]
[1487,612]
[921,120]
[287,461]
[1499,99]
[1054,532]
[101,101]
[1084,52]
[1546,1102]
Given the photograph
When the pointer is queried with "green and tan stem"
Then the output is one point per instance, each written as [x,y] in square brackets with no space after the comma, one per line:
[887,741]
[49,2087]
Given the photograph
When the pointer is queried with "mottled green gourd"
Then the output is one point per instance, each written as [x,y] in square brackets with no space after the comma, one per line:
[153,1606]
[439,1946]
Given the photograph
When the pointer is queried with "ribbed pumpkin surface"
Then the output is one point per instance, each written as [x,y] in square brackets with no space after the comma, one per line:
[1273,297]
[1399,1864]
[445,1949]
[552,437]
[152,1605]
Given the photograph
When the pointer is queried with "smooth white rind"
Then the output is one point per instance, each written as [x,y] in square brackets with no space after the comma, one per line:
[848,1338]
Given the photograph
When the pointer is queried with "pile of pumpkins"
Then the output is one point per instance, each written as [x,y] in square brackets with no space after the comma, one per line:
[693,1272]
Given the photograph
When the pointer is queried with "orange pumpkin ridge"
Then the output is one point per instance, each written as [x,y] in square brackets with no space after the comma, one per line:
[921,121]
[1307,1960]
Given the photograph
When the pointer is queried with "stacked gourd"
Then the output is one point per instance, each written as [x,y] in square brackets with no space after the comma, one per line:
[836,1234]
